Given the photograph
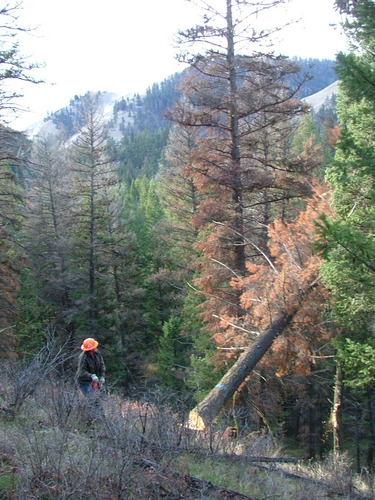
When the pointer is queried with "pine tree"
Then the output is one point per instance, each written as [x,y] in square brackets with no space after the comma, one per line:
[11,256]
[282,330]
[14,67]
[48,244]
[93,176]
[171,359]
[119,277]
[243,109]
[180,197]
[349,240]
[153,260]
[348,244]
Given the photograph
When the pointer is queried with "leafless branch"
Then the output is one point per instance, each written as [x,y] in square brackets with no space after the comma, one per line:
[250,243]
[253,332]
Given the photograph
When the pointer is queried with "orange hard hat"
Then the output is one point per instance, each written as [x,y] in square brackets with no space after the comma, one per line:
[89,344]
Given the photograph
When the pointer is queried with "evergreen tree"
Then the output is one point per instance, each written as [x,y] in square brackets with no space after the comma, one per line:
[349,245]
[48,242]
[171,359]
[119,277]
[153,260]
[11,254]
[14,66]
[93,176]
[284,303]
[181,197]
[349,250]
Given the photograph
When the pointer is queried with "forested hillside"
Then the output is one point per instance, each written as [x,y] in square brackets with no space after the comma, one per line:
[138,125]
[214,235]
[322,73]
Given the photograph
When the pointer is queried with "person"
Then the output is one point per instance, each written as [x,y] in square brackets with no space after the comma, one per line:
[91,368]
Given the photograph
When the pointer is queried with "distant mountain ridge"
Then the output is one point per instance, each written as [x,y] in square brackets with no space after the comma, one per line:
[119,120]
[141,112]
[66,120]
[137,128]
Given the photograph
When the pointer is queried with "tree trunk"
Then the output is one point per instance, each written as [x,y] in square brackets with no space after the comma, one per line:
[311,417]
[358,422]
[92,266]
[204,413]
[371,448]
[235,152]
[336,410]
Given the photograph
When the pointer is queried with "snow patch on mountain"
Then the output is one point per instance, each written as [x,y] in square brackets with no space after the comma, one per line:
[42,128]
[107,101]
[317,100]
[122,118]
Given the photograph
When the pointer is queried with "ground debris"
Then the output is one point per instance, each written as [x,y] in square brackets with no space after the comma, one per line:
[195,483]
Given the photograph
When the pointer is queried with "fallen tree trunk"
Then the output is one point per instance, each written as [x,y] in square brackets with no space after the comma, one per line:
[203,414]
[233,457]
[200,485]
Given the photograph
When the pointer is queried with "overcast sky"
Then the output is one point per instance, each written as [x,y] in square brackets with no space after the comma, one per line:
[125,46]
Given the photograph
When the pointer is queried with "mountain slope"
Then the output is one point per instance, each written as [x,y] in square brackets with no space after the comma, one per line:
[137,127]
[317,100]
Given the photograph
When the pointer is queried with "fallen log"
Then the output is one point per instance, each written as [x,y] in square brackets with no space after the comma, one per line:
[195,482]
[203,414]
[233,457]
[330,490]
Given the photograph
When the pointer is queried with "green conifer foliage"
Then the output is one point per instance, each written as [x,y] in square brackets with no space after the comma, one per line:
[11,257]
[171,359]
[152,257]
[14,66]
[349,246]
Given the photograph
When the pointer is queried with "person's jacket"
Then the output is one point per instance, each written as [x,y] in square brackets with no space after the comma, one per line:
[88,364]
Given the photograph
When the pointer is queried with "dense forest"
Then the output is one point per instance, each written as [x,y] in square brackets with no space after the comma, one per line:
[215,236]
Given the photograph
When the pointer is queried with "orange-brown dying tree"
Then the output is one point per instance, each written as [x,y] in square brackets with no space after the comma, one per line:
[283,330]
[245,110]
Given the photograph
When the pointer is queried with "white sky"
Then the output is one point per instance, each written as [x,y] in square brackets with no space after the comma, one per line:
[125,46]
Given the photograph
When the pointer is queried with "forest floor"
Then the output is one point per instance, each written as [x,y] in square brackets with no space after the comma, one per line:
[58,445]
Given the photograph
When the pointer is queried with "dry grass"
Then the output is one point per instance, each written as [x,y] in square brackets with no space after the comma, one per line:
[57,446]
